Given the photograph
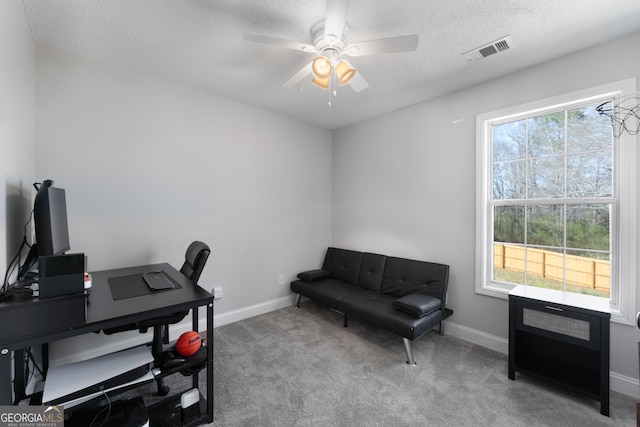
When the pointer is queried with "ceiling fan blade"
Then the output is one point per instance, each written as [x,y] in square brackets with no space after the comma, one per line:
[388,45]
[274,41]
[298,77]
[358,83]
[335,19]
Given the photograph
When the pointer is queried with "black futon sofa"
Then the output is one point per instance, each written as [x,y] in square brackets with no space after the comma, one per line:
[404,296]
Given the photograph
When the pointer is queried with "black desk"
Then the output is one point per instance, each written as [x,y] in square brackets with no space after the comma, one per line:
[101,312]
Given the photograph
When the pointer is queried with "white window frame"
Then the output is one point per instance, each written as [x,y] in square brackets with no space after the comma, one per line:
[623,260]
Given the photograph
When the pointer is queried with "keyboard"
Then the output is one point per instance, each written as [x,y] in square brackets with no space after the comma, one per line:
[157,280]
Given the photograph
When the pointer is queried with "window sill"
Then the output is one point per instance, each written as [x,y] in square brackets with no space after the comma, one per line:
[501,291]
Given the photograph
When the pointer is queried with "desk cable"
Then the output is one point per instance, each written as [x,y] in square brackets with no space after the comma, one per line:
[108,409]
[30,374]
[15,261]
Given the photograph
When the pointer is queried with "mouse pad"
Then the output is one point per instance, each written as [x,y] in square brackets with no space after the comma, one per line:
[124,287]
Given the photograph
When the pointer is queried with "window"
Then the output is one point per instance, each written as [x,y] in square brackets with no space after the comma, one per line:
[556,199]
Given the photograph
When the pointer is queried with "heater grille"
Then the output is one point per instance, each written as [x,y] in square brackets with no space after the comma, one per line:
[559,324]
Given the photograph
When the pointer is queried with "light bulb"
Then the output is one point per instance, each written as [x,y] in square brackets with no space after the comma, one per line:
[321,67]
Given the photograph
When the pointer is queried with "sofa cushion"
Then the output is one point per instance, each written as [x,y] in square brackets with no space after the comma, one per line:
[327,291]
[313,275]
[377,309]
[343,264]
[371,270]
[417,305]
[404,276]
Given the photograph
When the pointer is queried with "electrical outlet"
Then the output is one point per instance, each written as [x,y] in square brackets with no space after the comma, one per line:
[280,279]
[217,292]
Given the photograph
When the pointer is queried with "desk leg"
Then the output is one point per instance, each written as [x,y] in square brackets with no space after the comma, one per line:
[45,359]
[210,362]
[19,380]
[5,377]
[195,326]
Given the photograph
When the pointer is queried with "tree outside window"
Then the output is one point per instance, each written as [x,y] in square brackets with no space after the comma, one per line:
[552,201]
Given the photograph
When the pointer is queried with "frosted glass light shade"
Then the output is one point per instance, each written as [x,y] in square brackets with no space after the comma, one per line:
[321,82]
[321,67]
[344,72]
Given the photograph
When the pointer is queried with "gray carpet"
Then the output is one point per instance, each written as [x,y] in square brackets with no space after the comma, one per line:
[300,367]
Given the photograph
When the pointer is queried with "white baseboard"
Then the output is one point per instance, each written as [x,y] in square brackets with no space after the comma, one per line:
[624,385]
[252,310]
[234,315]
[89,346]
[492,342]
[617,382]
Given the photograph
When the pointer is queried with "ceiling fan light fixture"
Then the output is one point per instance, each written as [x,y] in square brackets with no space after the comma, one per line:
[344,72]
[322,83]
[321,67]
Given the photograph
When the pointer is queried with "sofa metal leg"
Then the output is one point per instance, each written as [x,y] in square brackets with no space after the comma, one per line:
[345,323]
[407,347]
[441,330]
[298,298]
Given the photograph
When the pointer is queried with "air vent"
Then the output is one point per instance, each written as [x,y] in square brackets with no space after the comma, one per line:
[482,52]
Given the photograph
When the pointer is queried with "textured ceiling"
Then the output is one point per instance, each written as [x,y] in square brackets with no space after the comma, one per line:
[200,43]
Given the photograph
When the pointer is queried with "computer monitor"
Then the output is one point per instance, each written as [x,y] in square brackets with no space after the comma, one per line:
[52,229]
[50,216]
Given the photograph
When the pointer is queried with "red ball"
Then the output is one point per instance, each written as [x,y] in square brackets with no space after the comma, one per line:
[188,343]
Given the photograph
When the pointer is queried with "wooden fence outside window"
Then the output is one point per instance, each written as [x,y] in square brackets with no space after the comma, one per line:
[580,271]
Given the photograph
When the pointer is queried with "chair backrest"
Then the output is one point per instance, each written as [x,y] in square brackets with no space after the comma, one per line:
[194,260]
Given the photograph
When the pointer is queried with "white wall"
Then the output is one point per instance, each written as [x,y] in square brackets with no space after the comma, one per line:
[404,184]
[17,127]
[257,186]
[149,166]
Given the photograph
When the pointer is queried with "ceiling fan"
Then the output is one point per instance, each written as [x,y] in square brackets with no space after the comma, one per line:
[330,46]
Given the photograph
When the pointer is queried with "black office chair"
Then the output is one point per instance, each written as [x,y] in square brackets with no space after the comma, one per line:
[195,260]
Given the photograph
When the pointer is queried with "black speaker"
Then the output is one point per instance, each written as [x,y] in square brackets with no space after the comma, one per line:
[61,275]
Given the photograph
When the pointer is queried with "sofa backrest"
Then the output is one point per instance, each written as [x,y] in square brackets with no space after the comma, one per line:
[371,270]
[404,276]
[343,264]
